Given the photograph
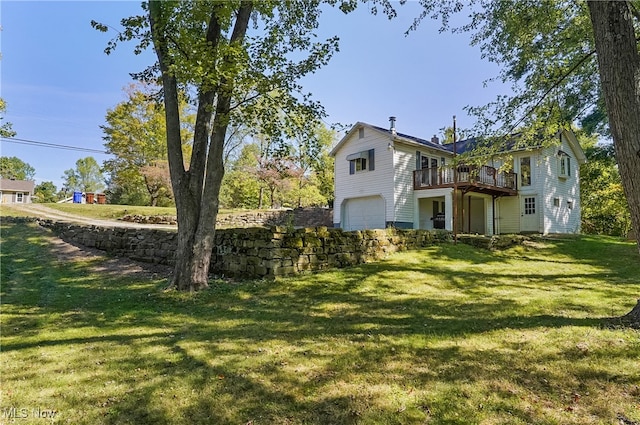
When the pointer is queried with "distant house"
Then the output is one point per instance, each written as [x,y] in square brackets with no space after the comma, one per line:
[384,178]
[16,191]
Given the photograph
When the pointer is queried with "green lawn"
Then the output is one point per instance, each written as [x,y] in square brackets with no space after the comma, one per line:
[109,211]
[445,335]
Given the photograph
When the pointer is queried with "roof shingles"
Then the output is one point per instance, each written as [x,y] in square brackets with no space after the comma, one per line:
[17,185]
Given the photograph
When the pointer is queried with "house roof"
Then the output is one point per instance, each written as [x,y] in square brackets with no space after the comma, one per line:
[462,146]
[17,185]
[575,146]
[424,142]
[395,137]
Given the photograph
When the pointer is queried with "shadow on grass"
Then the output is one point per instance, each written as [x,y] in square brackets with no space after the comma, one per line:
[303,350]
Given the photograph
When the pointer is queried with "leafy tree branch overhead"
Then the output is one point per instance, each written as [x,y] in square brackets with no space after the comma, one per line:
[6,129]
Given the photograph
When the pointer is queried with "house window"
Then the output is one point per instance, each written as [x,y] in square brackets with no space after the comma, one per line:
[570,205]
[529,206]
[19,197]
[361,161]
[361,133]
[556,202]
[525,171]
[564,165]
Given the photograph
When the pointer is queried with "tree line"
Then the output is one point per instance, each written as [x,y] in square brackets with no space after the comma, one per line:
[260,172]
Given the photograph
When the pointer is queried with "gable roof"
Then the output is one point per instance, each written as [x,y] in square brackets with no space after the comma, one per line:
[575,146]
[400,137]
[414,139]
[462,146]
[467,145]
[17,185]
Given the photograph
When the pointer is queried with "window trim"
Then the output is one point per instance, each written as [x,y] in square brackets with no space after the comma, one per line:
[529,205]
[564,165]
[362,161]
[530,176]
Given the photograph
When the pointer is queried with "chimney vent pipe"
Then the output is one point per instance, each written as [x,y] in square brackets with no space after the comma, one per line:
[392,125]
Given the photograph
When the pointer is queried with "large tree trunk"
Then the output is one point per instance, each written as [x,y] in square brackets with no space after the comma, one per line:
[632,318]
[196,190]
[619,65]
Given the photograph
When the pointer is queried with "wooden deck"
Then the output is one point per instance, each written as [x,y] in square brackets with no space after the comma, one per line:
[483,179]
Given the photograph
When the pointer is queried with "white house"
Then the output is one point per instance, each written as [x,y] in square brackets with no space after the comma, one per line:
[384,178]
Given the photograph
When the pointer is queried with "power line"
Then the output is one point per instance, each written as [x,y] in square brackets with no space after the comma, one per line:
[49,145]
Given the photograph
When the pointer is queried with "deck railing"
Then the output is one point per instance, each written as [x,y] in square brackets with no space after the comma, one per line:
[470,175]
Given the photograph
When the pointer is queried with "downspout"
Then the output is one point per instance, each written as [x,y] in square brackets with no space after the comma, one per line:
[493,214]
[455,185]
[469,216]
[391,147]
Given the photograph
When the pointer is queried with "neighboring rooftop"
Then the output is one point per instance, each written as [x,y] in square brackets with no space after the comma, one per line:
[17,185]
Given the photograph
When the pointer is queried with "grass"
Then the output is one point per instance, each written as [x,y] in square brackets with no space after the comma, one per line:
[6,210]
[445,335]
[111,212]
[107,211]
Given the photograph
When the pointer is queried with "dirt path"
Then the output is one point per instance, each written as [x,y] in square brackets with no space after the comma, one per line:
[43,211]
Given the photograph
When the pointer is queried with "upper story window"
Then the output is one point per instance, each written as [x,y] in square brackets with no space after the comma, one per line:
[361,133]
[564,165]
[361,161]
[525,171]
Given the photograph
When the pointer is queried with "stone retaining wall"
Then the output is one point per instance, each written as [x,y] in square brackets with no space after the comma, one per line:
[256,252]
[299,217]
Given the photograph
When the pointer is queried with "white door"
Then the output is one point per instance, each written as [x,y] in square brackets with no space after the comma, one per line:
[363,213]
[529,216]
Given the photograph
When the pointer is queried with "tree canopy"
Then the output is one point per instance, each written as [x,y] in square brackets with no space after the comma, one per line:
[45,192]
[604,206]
[6,129]
[86,177]
[546,55]
[12,167]
[135,135]
[296,173]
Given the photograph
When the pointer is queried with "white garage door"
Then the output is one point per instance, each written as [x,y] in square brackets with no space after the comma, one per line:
[363,213]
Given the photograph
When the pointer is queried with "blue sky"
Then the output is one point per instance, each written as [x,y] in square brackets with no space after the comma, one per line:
[59,84]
